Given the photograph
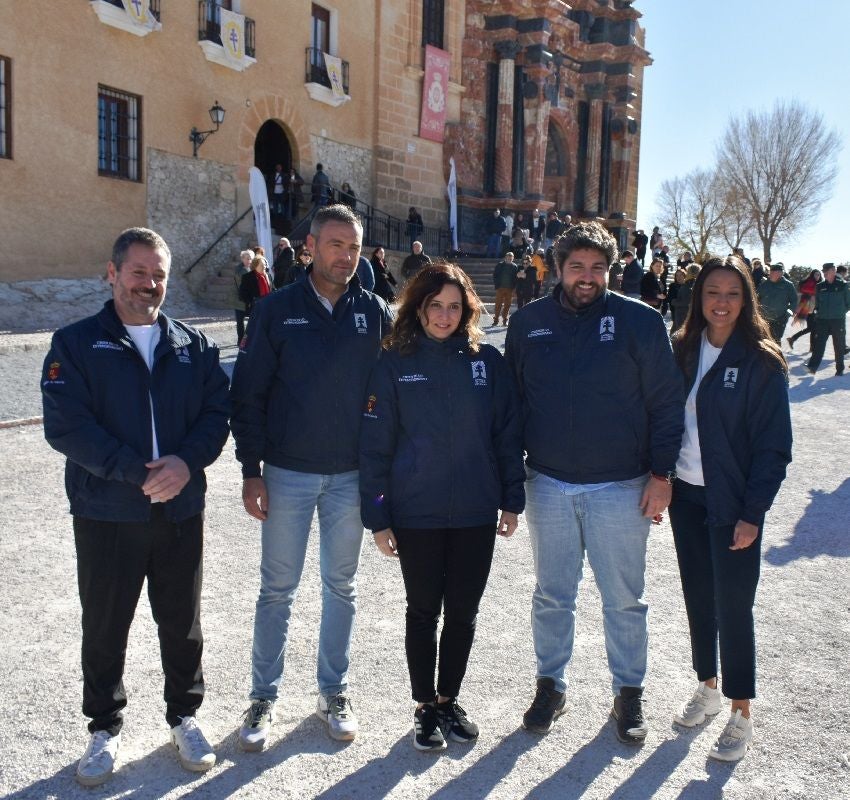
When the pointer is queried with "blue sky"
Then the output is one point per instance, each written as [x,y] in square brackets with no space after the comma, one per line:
[720,58]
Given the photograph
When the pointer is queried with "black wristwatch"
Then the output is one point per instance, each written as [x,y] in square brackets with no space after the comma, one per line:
[668,477]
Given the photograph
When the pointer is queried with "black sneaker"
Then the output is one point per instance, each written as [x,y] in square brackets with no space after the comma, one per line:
[454,723]
[426,729]
[547,706]
[628,712]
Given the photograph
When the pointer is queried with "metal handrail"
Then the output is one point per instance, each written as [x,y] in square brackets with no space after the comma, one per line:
[209,249]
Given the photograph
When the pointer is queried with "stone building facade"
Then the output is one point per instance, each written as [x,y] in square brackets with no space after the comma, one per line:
[550,116]
[542,110]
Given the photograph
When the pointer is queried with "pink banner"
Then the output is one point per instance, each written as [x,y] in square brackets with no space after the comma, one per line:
[435,90]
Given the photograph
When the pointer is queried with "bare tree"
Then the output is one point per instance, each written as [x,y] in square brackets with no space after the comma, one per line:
[736,226]
[784,164]
[692,208]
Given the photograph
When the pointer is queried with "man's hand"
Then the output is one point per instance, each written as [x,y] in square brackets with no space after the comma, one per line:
[255,498]
[656,497]
[166,479]
[745,534]
[385,540]
[507,524]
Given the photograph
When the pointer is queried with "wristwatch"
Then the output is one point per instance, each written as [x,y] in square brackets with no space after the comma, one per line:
[667,477]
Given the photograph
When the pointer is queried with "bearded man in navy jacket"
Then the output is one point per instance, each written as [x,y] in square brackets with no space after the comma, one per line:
[138,404]
[603,405]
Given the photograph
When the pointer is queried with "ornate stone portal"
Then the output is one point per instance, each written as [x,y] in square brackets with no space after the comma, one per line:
[551,115]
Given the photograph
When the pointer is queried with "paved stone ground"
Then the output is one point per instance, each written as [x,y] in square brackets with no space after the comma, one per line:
[801,714]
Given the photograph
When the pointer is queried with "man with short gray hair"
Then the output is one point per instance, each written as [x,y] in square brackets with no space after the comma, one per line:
[138,404]
[298,390]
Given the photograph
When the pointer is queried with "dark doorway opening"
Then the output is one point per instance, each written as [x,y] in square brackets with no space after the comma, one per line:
[271,147]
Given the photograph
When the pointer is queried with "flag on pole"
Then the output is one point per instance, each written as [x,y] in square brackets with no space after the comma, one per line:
[260,203]
[452,192]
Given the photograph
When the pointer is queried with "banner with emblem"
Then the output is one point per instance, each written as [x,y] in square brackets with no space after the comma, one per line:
[232,34]
[435,89]
[260,201]
[333,64]
[139,11]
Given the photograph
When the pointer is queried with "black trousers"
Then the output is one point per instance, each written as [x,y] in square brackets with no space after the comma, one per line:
[777,328]
[719,586]
[445,568]
[826,328]
[239,314]
[113,560]
[811,329]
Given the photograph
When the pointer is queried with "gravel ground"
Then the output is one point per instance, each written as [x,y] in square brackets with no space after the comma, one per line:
[801,742]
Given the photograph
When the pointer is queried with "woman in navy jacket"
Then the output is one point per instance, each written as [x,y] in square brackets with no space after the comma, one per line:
[736,447]
[440,454]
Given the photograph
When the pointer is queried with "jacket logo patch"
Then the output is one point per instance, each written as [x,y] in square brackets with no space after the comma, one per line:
[105,344]
[370,407]
[183,356]
[606,329]
[539,332]
[730,377]
[296,321]
[417,378]
[479,373]
[360,323]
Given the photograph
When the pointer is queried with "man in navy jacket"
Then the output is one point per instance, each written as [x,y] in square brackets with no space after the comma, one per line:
[603,406]
[138,404]
[298,390]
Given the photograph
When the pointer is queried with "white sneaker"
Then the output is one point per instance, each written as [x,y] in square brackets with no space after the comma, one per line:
[336,710]
[255,729]
[193,749]
[98,762]
[732,744]
[706,702]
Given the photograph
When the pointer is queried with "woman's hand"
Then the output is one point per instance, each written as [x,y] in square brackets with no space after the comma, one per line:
[385,540]
[507,524]
[745,534]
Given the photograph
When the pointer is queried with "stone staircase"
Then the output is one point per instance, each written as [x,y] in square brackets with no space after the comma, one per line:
[480,270]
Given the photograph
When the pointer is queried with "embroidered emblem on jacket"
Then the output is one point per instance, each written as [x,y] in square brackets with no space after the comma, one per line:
[606,329]
[105,344]
[730,377]
[479,373]
[360,323]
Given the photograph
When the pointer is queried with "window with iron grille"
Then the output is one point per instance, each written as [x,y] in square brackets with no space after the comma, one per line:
[433,16]
[119,134]
[5,107]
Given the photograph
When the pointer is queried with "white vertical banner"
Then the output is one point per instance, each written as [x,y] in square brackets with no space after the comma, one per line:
[333,64]
[260,203]
[232,34]
[451,189]
[139,11]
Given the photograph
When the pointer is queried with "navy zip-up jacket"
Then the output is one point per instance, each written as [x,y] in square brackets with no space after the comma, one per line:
[97,393]
[440,439]
[602,398]
[300,379]
[744,425]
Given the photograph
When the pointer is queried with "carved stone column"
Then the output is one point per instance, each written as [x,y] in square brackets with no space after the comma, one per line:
[595,95]
[507,51]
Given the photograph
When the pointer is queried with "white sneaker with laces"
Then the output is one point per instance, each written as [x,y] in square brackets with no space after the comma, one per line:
[336,710]
[254,732]
[98,762]
[706,702]
[733,743]
[193,749]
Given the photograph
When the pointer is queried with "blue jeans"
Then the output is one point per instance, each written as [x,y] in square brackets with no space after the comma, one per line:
[494,240]
[293,496]
[608,524]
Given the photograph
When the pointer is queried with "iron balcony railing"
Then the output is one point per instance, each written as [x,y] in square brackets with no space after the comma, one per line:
[153,5]
[315,70]
[209,26]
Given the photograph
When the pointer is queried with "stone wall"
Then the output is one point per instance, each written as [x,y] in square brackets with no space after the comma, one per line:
[342,162]
[190,202]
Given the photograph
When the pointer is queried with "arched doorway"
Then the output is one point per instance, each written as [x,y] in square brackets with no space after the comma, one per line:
[556,170]
[271,147]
